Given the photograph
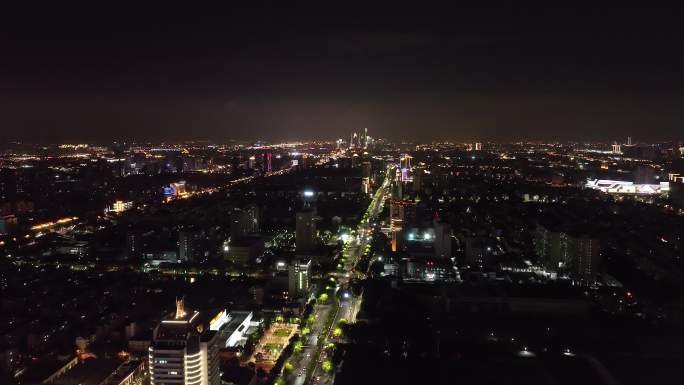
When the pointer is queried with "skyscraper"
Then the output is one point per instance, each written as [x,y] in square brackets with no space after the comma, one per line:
[442,243]
[183,352]
[585,256]
[269,166]
[366,169]
[298,278]
[617,149]
[305,229]
[186,251]
[244,221]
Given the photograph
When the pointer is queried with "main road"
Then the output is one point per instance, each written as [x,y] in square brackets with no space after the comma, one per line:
[347,307]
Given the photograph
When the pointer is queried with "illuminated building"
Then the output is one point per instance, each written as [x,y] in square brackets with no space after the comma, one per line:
[339,143]
[269,166]
[251,162]
[478,146]
[298,278]
[405,167]
[401,211]
[236,328]
[175,190]
[219,320]
[625,187]
[119,207]
[617,149]
[305,229]
[365,185]
[182,352]
[429,270]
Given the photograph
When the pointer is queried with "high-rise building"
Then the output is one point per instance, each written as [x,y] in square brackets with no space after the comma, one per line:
[186,250]
[479,252]
[365,185]
[478,146]
[183,351]
[417,180]
[244,221]
[401,212]
[574,253]
[305,229]
[366,169]
[298,278]
[442,243]
[584,257]
[405,167]
[617,149]
[132,245]
[644,175]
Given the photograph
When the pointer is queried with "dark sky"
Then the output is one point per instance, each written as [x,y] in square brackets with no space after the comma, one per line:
[190,72]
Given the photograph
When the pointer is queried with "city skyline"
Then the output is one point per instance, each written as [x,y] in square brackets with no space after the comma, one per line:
[496,73]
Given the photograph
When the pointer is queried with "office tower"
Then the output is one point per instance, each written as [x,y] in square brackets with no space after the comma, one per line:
[305,229]
[365,138]
[244,221]
[182,352]
[478,146]
[629,140]
[298,278]
[340,143]
[442,243]
[251,162]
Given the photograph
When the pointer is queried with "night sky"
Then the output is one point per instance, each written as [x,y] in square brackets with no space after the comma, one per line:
[190,72]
